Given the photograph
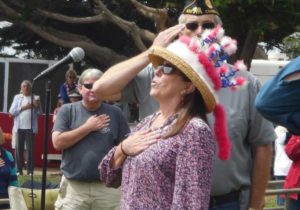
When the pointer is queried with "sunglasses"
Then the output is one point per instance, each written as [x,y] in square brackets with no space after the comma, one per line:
[72,77]
[88,86]
[192,26]
[165,69]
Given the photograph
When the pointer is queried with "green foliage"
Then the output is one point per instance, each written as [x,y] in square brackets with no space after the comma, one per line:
[291,45]
[272,20]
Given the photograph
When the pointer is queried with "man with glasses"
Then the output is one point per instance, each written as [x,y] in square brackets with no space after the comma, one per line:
[85,131]
[239,183]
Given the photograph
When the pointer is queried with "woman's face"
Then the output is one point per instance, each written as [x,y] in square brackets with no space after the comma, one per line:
[167,83]
[71,78]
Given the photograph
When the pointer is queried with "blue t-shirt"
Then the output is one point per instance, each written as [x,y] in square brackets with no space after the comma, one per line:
[279,100]
[8,174]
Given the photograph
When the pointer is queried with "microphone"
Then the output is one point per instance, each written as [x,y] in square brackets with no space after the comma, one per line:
[75,55]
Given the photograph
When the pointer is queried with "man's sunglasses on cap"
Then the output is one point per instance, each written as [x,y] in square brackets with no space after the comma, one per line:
[194,25]
[88,86]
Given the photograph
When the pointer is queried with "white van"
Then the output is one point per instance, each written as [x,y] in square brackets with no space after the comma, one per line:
[263,70]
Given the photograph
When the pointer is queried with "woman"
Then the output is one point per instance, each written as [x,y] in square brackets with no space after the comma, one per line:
[68,86]
[8,174]
[166,162]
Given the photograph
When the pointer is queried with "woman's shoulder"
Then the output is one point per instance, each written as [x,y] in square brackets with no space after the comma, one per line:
[197,123]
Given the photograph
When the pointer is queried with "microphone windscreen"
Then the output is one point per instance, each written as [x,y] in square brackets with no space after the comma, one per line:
[77,54]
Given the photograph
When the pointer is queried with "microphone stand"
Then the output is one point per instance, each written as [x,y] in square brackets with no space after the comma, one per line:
[45,145]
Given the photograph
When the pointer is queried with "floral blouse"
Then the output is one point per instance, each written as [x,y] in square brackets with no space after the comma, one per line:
[174,173]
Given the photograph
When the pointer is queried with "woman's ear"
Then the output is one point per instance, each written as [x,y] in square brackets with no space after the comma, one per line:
[189,88]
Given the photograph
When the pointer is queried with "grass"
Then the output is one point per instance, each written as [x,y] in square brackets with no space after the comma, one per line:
[52,178]
[271,201]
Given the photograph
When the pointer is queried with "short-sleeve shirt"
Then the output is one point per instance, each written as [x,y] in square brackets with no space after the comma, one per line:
[80,161]
[138,91]
[246,128]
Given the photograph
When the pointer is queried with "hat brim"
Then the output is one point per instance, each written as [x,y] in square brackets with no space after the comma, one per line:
[158,55]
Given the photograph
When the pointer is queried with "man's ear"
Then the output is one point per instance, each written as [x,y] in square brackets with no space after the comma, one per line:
[79,87]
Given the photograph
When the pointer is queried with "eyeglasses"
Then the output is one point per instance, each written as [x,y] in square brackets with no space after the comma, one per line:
[72,77]
[194,25]
[88,86]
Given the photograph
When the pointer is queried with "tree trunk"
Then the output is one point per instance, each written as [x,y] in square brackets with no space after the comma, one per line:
[249,46]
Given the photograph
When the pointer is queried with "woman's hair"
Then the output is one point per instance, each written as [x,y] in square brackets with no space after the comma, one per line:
[89,74]
[192,106]
[1,137]
[70,72]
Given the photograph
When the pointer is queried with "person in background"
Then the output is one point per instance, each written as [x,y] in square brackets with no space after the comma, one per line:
[25,126]
[85,131]
[69,85]
[8,175]
[278,101]
[282,163]
[74,96]
[59,103]
[292,150]
[240,182]
[167,161]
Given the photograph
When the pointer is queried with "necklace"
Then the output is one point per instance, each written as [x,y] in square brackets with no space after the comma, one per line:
[171,119]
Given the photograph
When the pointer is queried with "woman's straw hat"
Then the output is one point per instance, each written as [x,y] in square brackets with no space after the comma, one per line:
[186,61]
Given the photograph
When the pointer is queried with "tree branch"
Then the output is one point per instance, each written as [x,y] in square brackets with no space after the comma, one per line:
[158,16]
[129,27]
[73,20]
[8,11]
[98,53]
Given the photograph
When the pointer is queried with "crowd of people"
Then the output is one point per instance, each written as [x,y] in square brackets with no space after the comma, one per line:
[198,144]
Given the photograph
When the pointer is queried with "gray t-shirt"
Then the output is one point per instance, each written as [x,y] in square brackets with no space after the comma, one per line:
[246,128]
[80,162]
[138,91]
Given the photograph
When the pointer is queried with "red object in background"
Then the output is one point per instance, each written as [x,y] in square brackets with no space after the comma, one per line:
[6,123]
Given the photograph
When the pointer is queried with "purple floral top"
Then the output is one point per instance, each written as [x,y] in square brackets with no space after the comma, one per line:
[174,173]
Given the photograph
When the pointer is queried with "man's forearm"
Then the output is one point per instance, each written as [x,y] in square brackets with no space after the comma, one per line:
[260,176]
[64,140]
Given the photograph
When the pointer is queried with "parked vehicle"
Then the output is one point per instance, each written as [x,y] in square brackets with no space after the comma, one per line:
[266,69]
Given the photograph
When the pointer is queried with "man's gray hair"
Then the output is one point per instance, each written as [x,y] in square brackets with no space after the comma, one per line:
[26,82]
[182,17]
[90,74]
